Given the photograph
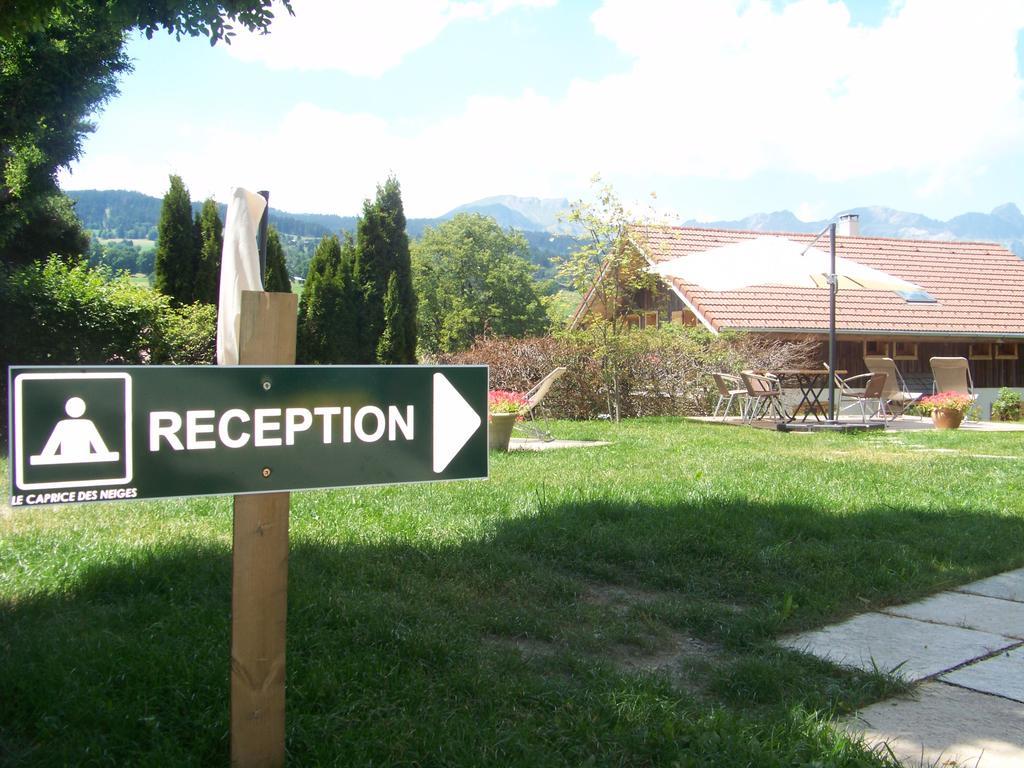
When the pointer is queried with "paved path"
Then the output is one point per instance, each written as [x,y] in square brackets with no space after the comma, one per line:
[967,645]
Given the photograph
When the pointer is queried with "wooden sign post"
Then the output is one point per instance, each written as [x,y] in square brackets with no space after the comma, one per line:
[259,589]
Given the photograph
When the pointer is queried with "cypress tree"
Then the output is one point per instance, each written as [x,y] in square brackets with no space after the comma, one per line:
[176,245]
[276,278]
[309,344]
[391,346]
[382,249]
[211,245]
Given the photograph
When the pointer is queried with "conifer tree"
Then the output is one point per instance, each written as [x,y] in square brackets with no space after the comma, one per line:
[382,249]
[276,279]
[211,244]
[391,346]
[176,245]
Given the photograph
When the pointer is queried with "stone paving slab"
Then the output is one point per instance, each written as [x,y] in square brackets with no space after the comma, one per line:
[1002,675]
[1008,586]
[945,723]
[959,609]
[878,641]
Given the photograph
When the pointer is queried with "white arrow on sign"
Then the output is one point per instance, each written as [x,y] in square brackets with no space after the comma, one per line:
[455,422]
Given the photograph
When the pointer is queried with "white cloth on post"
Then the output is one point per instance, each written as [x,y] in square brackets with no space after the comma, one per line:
[239,268]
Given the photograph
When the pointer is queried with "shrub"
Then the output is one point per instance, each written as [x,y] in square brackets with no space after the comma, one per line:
[1007,406]
[653,372]
[186,335]
[55,313]
[66,313]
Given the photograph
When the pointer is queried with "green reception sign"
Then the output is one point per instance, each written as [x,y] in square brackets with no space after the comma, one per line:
[104,433]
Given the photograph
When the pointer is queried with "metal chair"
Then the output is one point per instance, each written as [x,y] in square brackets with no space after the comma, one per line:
[730,388]
[764,394]
[896,393]
[873,390]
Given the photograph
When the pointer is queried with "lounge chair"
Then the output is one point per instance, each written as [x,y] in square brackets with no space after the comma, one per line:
[730,388]
[533,399]
[897,397]
[764,392]
[952,374]
[873,391]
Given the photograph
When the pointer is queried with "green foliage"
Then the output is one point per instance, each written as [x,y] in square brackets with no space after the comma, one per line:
[194,18]
[59,63]
[122,256]
[58,313]
[52,76]
[176,247]
[186,335]
[472,277]
[211,245]
[276,278]
[382,248]
[329,306]
[1008,405]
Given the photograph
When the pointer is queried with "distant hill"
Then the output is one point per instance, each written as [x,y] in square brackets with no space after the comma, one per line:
[1004,225]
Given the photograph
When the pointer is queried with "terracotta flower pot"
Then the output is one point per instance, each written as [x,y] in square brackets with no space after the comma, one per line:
[946,418]
[499,430]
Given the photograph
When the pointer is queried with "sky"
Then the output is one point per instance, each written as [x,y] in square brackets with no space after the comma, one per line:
[720,108]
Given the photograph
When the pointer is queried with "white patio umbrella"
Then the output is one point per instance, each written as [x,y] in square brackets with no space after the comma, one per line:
[781,261]
[775,261]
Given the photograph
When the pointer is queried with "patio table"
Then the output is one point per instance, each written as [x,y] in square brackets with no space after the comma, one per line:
[811,382]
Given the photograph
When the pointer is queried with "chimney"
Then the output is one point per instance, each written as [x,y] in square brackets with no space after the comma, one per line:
[849,225]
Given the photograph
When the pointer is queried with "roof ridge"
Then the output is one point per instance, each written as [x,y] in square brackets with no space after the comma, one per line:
[683,228]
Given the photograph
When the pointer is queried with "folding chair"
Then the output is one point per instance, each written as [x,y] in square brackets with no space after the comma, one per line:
[952,374]
[730,388]
[533,399]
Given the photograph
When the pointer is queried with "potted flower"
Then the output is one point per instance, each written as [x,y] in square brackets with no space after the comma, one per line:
[947,409]
[503,409]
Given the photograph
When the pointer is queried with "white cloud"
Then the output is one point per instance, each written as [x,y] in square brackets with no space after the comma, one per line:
[358,37]
[714,89]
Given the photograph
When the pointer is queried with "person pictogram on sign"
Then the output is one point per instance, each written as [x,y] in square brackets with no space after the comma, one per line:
[74,440]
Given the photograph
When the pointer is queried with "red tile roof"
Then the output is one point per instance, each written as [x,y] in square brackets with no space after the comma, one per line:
[979,287]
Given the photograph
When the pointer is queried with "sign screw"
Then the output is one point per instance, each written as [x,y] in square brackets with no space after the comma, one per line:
[265,472]
[266,385]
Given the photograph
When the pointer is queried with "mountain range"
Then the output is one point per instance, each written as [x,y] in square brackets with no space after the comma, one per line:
[118,213]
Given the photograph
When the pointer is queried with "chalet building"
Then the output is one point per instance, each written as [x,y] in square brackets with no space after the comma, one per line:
[972,305]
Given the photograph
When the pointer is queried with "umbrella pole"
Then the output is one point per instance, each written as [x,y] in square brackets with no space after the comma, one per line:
[832,321]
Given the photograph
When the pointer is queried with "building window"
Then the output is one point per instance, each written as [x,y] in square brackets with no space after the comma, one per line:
[981,351]
[904,350]
[1006,351]
[874,348]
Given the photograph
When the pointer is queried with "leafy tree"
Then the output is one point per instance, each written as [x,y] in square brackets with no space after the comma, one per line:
[472,277]
[276,277]
[176,247]
[211,244]
[382,248]
[610,272]
[59,63]
[329,305]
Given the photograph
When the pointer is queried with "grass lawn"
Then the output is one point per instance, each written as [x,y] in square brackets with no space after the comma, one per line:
[606,606]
